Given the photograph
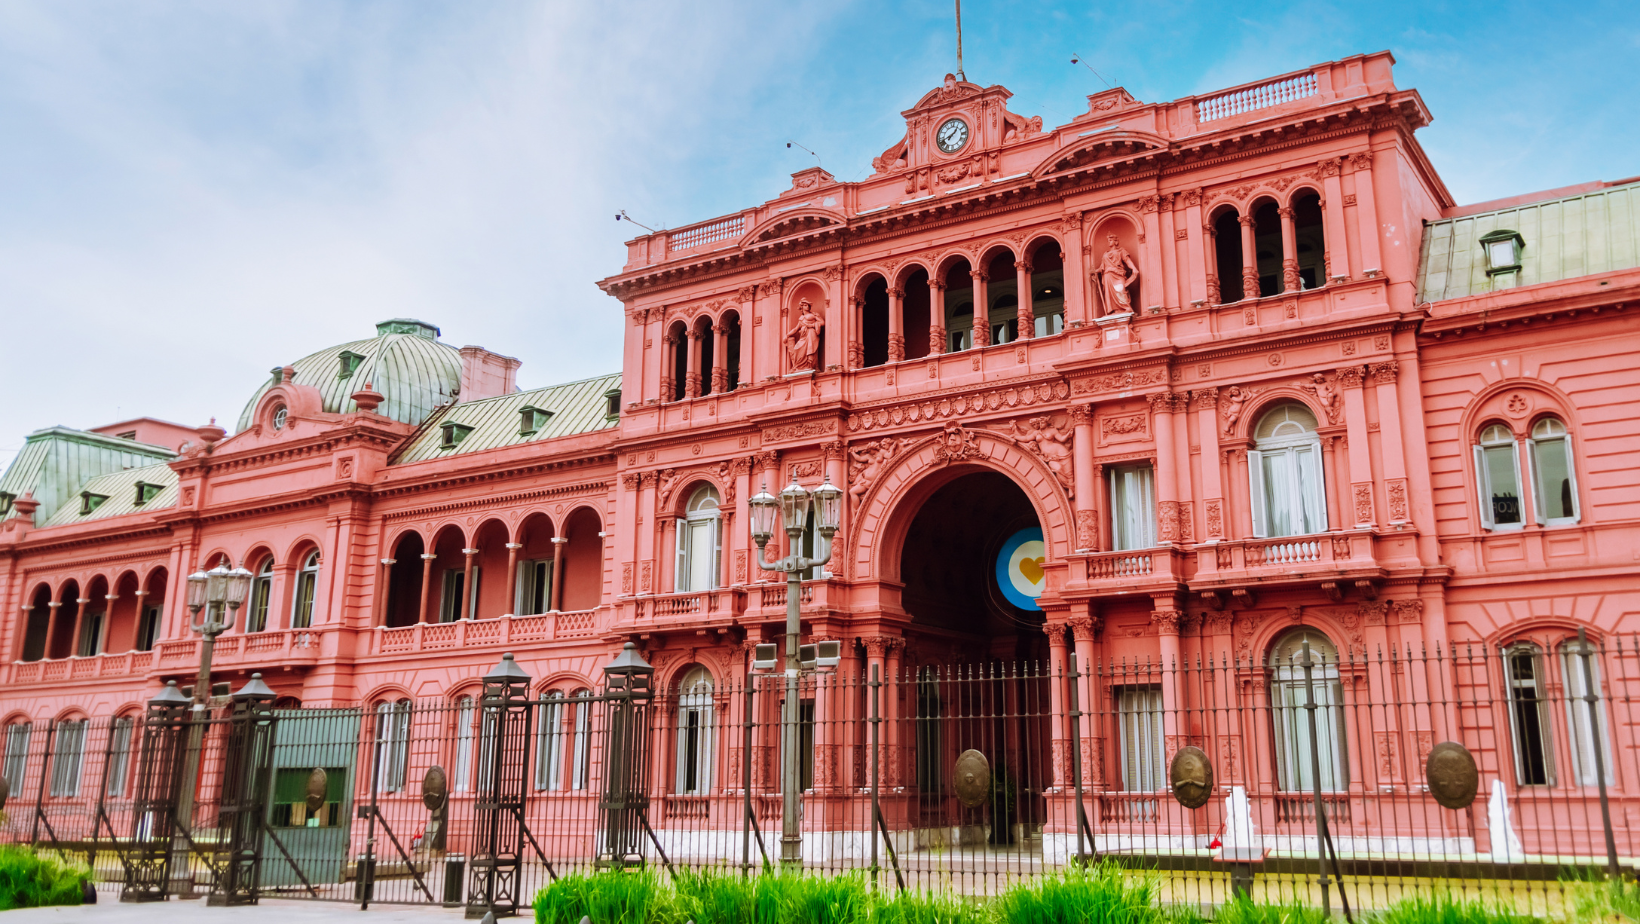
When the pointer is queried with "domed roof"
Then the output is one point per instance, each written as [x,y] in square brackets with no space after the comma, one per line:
[404,361]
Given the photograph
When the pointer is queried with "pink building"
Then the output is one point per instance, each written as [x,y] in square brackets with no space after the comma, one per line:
[1247,374]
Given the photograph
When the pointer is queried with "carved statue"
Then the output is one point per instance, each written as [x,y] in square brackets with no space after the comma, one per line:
[1016,127]
[869,461]
[1052,443]
[1116,275]
[803,340]
[1327,394]
[1234,398]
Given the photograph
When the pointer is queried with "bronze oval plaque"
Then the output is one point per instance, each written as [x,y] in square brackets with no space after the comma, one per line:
[1191,775]
[433,788]
[973,778]
[1453,777]
[318,786]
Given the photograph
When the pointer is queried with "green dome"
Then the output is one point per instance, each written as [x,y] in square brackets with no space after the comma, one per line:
[404,361]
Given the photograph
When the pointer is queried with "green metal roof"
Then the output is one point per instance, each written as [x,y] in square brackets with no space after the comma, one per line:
[120,489]
[404,361]
[576,407]
[1581,235]
[55,462]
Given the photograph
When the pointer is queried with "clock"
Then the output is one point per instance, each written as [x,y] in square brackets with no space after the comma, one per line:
[952,135]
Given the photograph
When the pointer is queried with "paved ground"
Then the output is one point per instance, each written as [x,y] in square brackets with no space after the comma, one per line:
[110,910]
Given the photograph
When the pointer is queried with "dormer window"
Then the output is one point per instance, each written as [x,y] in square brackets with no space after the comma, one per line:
[281,415]
[127,435]
[531,420]
[454,433]
[612,403]
[90,502]
[5,503]
[146,492]
[349,363]
[1503,251]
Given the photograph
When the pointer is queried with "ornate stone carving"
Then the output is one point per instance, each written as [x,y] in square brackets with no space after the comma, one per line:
[1384,373]
[1231,407]
[1396,493]
[1114,278]
[1215,518]
[797,431]
[936,340]
[1087,530]
[955,443]
[1363,503]
[1408,612]
[896,348]
[1326,395]
[1350,376]
[1290,281]
[803,339]
[1360,160]
[1249,282]
[1213,297]
[1122,381]
[1167,521]
[1013,396]
[1080,414]
[1084,629]
[626,578]
[1165,621]
[632,480]
[1051,443]
[868,461]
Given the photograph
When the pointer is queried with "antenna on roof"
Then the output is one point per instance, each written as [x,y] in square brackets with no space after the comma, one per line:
[960,74]
[622,214]
[791,144]
[1077,59]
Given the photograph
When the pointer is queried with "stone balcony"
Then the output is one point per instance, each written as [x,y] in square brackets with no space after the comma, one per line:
[467,634]
[1336,561]
[284,649]
[1155,570]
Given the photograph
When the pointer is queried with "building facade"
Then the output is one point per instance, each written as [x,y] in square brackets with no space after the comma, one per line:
[1246,370]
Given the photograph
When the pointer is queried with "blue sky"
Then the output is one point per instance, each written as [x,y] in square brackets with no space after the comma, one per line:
[192,193]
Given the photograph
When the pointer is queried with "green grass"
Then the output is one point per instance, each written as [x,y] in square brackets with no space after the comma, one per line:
[1598,900]
[30,880]
[1104,894]
[1445,908]
[607,898]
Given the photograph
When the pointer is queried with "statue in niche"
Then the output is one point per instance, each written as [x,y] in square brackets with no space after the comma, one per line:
[1115,278]
[1052,443]
[803,340]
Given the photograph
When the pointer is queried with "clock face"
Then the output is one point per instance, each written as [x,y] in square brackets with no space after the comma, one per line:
[952,135]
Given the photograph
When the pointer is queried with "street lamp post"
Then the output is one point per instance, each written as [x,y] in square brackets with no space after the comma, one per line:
[220,593]
[792,507]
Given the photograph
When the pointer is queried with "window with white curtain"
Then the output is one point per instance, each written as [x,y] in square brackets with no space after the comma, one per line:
[1288,701]
[534,587]
[583,744]
[695,733]
[1528,714]
[452,593]
[307,587]
[1554,478]
[698,542]
[1583,718]
[462,779]
[1284,474]
[1139,712]
[549,745]
[256,613]
[1497,474]
[119,754]
[68,758]
[392,745]
[1132,507]
[16,767]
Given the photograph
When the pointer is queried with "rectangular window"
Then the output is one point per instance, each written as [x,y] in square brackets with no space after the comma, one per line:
[148,629]
[1554,481]
[805,742]
[256,616]
[307,584]
[930,760]
[1292,720]
[697,554]
[68,759]
[119,754]
[450,601]
[1139,712]
[1528,720]
[583,730]
[534,587]
[91,633]
[1286,491]
[1132,507]
[549,747]
[462,779]
[1499,481]
[1585,719]
[392,745]
[16,767]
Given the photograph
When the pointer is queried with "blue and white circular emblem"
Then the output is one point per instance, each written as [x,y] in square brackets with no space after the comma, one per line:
[1019,568]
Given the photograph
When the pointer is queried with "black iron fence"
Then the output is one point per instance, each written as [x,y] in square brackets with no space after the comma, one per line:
[1312,775]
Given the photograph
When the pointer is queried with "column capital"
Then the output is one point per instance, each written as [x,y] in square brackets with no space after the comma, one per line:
[978,275]
[896,292]
[1165,621]
[515,545]
[1084,628]
[1285,211]
[1350,376]
[1246,221]
[1024,265]
[386,563]
[936,285]
[426,556]
[1384,373]
[1081,414]
[469,552]
[559,540]
[1161,402]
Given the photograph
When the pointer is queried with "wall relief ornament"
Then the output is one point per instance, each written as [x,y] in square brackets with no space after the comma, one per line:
[797,431]
[955,443]
[1051,443]
[1363,503]
[1396,493]
[1087,530]
[1231,403]
[1121,381]
[1014,396]
[1326,395]
[868,461]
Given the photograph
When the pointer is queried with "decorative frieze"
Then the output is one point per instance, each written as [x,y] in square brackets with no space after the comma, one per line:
[943,408]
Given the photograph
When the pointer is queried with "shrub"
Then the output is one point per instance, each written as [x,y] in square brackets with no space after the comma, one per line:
[1104,894]
[607,898]
[30,880]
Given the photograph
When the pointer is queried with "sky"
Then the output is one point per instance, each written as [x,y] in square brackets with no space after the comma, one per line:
[193,193]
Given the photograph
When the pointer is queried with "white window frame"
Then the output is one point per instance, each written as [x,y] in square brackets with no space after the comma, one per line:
[1132,506]
[700,533]
[549,746]
[393,744]
[15,770]
[696,744]
[1292,721]
[1306,492]
[579,771]
[261,598]
[466,714]
[68,758]
[1535,476]
[120,733]
[534,580]
[148,620]
[307,591]
[1139,716]
[1578,717]
[1483,477]
[1546,736]
[93,633]
[451,588]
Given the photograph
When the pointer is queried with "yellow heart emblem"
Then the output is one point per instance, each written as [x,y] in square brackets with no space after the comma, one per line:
[1032,569]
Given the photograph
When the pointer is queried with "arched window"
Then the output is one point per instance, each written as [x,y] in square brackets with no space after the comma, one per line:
[1497,473]
[1285,474]
[549,746]
[1289,696]
[466,713]
[698,542]
[696,745]
[256,615]
[1583,718]
[307,585]
[68,758]
[1132,507]
[1528,714]
[392,755]
[16,765]
[119,755]
[1554,479]
[582,752]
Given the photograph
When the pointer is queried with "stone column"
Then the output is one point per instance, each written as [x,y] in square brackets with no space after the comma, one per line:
[1087,495]
[856,350]
[936,317]
[691,376]
[1289,252]
[720,346]
[1198,248]
[1027,314]
[1213,294]
[1336,258]
[1150,249]
[1166,620]
[1207,433]
[896,324]
[1396,495]
[1360,511]
[1083,631]
[1076,280]
[78,641]
[512,576]
[1249,258]
[467,583]
[1366,215]
[894,686]
[669,363]
[1329,476]
[557,601]
[427,559]
[647,578]
[1167,498]
[1059,728]
[982,313]
[384,585]
[1172,274]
